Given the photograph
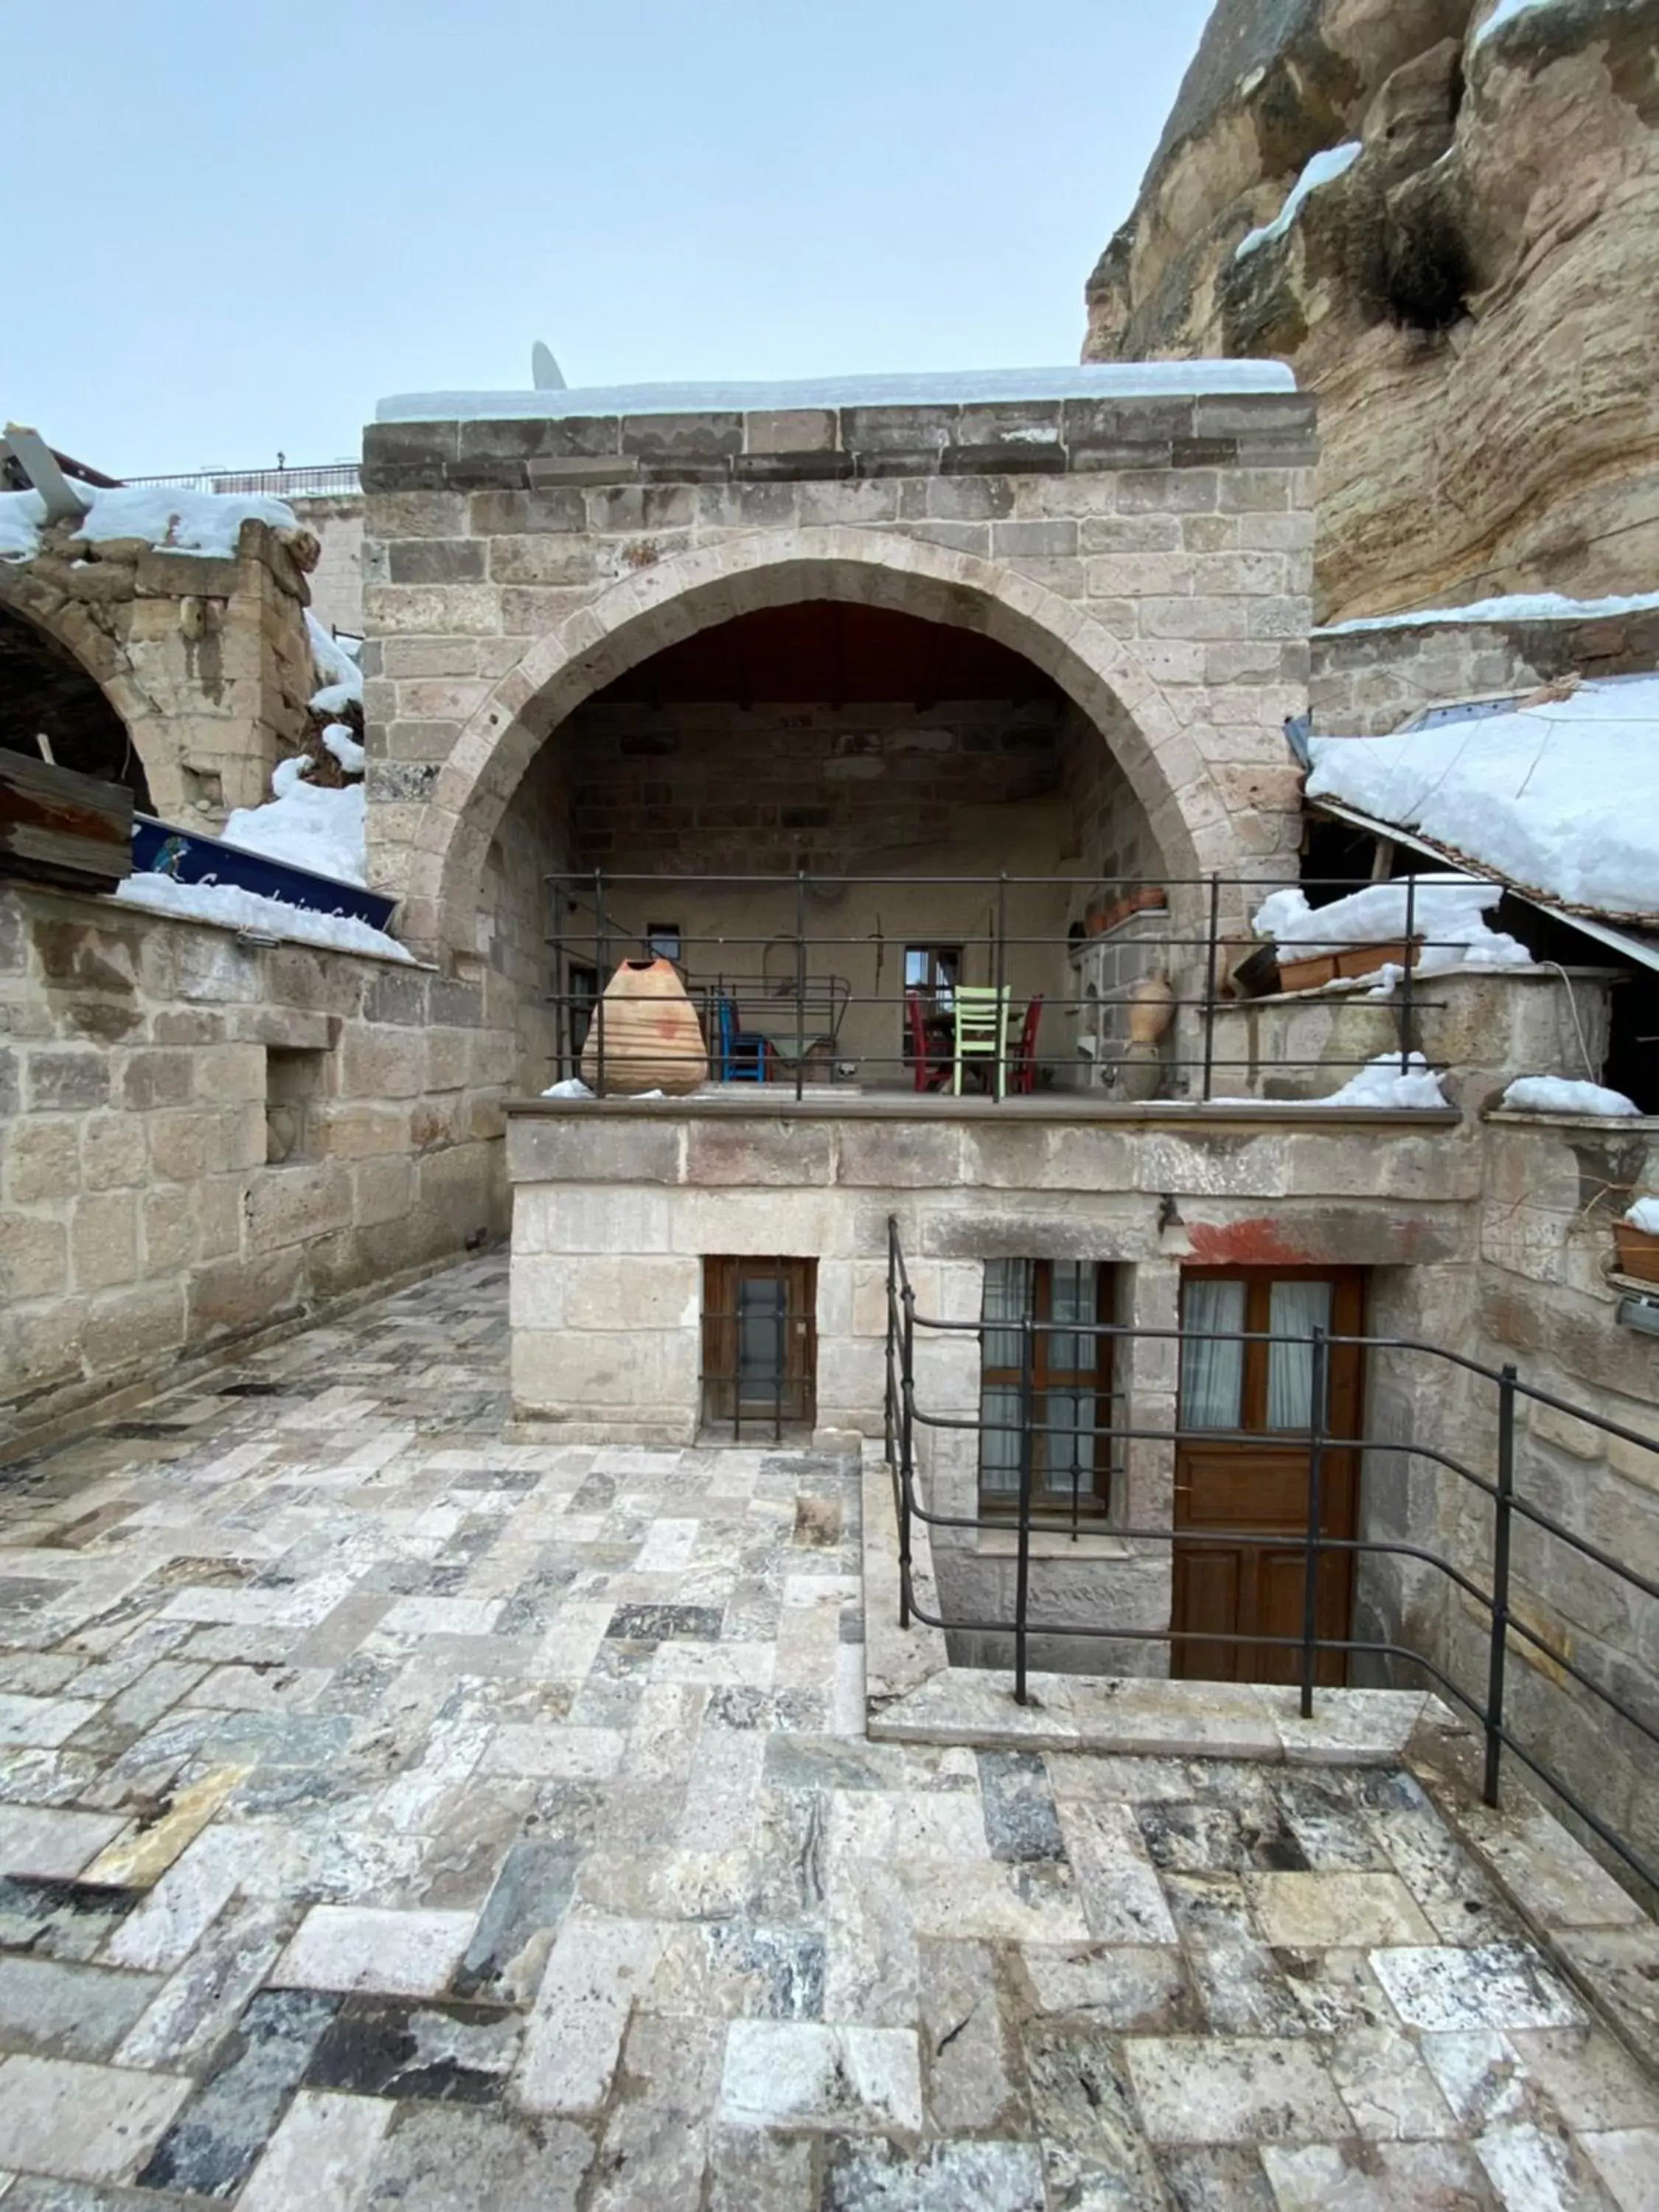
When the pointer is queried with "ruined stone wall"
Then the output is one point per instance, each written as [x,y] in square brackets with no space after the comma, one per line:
[335,520]
[206,661]
[1368,682]
[202,1137]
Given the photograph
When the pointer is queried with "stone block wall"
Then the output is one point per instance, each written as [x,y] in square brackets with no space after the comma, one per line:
[515,567]
[201,1137]
[206,661]
[1367,683]
[335,520]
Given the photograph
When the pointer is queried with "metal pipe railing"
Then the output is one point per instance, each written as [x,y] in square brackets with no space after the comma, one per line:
[1492,1598]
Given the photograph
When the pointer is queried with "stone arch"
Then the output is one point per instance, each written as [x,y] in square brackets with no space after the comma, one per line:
[711,584]
[69,632]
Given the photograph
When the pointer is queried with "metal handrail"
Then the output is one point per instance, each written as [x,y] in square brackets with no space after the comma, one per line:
[903,1416]
[313,480]
[586,924]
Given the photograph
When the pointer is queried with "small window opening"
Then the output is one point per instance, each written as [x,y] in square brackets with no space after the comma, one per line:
[582,994]
[294,1082]
[932,973]
[1046,1386]
[664,941]
[759,1344]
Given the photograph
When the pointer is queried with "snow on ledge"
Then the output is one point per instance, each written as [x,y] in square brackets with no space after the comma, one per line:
[1555,1094]
[1379,1084]
[1116,379]
[1517,606]
[1323,169]
[226,906]
[204,522]
[1644,1215]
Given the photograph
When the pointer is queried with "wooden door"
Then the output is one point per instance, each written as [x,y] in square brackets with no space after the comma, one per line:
[759,1340]
[1242,1465]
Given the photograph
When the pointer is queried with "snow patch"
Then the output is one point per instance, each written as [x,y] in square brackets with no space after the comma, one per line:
[204,522]
[1116,379]
[1324,169]
[1517,606]
[342,678]
[342,742]
[1505,12]
[304,826]
[1562,799]
[1379,1083]
[1554,1094]
[571,1087]
[231,908]
[1644,1216]
[1447,912]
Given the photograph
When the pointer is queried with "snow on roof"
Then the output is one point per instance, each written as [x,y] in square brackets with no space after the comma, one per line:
[1560,798]
[1517,606]
[179,521]
[1323,169]
[1116,379]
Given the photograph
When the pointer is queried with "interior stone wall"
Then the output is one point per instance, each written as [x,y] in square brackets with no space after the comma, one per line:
[144,1220]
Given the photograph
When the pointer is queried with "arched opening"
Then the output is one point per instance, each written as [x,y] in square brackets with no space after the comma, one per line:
[901,764]
[45,692]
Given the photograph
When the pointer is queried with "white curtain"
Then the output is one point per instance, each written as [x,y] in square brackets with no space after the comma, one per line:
[1211,1372]
[1007,1298]
[1295,1310]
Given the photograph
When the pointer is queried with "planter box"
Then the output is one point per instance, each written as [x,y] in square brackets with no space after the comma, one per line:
[1638,1252]
[1354,961]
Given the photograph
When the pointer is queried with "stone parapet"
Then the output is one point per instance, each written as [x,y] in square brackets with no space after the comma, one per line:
[1004,437]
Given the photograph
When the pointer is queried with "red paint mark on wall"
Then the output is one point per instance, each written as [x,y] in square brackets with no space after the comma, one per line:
[1262,1243]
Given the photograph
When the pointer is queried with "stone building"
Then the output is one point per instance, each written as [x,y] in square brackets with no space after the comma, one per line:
[846,698]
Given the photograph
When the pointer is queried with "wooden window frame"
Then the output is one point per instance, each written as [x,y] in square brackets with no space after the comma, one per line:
[1094,1504]
[1347,1319]
[722,1405]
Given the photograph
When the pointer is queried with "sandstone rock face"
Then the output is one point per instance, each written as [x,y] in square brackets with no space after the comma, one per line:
[1474,298]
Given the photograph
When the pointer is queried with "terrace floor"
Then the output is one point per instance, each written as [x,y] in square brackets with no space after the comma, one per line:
[396,1817]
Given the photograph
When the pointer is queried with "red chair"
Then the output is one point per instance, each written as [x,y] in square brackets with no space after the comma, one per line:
[1022,1063]
[931,1073]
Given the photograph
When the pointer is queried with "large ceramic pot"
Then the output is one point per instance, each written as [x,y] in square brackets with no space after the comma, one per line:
[652,1040]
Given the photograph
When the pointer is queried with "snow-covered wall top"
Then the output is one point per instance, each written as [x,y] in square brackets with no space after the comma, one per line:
[1147,380]
[173,520]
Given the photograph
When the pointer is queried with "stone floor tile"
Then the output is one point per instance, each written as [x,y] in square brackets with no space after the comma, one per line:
[320,2156]
[1219,2090]
[970,2070]
[1499,1985]
[43,1721]
[1122,1898]
[1094,2149]
[872,1959]
[508,1947]
[748,2168]
[1622,1964]
[598,1969]
[50,1843]
[200,2004]
[82,2123]
[1626,2162]
[456,2053]
[1336,1989]
[946,2177]
[140,1860]
[1347,1910]
[1136,1989]
[1385,2084]
[1537,2170]
[801,2074]
[1483,2078]
[1588,2078]
[354,1947]
[183,1904]
[63,2011]
[1243,1988]
[437,2158]
[1028,1904]
[1224,2178]
[1375,2177]
[653,2149]
[212,2146]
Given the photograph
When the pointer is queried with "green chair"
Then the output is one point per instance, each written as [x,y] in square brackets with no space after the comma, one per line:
[981,1016]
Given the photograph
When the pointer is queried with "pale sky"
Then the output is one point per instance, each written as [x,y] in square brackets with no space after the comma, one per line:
[235,224]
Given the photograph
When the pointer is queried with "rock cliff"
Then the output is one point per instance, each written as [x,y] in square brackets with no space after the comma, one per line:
[1467,274]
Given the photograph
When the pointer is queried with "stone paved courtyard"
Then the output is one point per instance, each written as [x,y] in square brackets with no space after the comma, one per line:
[394,1816]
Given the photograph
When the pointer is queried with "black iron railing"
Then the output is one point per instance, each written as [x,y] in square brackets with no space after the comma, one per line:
[309,483]
[778,984]
[1489,1586]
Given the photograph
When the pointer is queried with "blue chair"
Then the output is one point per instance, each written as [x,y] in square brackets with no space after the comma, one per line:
[743,1059]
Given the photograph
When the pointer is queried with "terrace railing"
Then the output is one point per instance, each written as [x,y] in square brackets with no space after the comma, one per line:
[310,483]
[1488,1585]
[791,979]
